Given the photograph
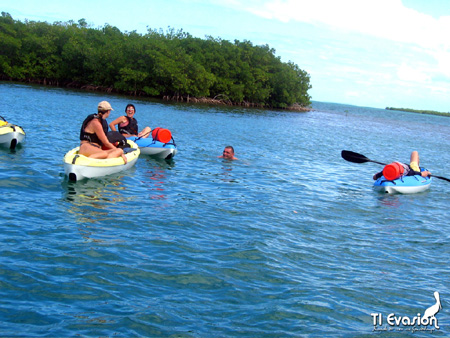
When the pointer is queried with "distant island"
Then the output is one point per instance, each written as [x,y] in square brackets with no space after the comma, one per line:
[429,112]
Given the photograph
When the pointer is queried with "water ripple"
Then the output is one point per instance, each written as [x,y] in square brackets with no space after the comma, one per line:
[288,241]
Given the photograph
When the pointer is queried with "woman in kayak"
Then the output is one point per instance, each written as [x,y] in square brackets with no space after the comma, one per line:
[408,170]
[94,142]
[128,125]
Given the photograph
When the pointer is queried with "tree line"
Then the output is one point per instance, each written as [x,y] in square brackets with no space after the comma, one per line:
[429,112]
[156,64]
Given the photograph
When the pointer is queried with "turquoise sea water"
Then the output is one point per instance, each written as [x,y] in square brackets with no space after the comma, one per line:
[288,241]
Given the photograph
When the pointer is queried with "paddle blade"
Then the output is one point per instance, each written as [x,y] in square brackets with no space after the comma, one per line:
[354,157]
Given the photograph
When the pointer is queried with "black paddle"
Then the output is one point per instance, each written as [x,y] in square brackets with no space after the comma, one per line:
[358,158]
[142,136]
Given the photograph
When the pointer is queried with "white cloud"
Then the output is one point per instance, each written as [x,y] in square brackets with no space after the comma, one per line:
[443,58]
[415,51]
[352,94]
[409,74]
[388,19]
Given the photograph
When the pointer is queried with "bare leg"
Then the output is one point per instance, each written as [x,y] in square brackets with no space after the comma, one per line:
[116,153]
[91,151]
[145,132]
[414,164]
[415,157]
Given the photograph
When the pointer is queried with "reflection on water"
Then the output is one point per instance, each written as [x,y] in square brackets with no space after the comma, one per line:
[93,201]
[108,199]
[227,169]
[155,177]
[17,149]
[96,193]
[93,204]
[389,200]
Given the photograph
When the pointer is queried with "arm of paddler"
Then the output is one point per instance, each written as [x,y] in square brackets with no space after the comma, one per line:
[424,173]
[113,124]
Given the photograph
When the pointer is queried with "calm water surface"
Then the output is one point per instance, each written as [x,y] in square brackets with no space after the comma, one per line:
[288,241]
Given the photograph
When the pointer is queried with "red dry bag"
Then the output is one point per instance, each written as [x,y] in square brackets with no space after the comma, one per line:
[162,135]
[393,171]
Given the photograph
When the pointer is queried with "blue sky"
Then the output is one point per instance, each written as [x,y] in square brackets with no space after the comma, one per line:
[374,53]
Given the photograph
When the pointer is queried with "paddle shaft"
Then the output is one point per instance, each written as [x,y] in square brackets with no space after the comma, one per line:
[442,178]
[376,162]
[143,135]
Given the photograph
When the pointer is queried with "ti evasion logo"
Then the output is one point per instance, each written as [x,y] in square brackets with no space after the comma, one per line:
[425,322]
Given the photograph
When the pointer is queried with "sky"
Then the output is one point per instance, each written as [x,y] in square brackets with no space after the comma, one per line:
[371,53]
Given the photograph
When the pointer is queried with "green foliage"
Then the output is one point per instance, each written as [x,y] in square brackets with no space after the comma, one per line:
[429,112]
[156,64]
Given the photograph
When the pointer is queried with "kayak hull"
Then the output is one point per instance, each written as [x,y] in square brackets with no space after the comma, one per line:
[403,185]
[156,149]
[11,135]
[78,167]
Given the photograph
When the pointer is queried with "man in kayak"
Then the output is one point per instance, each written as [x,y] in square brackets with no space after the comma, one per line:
[407,170]
[128,125]
[93,135]
[228,153]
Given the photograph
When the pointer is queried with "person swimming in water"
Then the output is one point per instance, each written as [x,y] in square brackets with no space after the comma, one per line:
[228,153]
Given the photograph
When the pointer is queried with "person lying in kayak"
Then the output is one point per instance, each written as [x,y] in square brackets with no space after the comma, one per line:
[228,153]
[395,170]
[128,125]
[94,142]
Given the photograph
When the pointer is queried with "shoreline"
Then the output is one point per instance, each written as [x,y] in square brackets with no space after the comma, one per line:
[418,111]
[226,102]
[175,98]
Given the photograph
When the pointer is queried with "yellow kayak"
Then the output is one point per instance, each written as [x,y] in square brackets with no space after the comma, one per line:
[78,167]
[10,134]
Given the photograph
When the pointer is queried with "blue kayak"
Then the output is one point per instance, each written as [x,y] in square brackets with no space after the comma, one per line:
[154,148]
[404,184]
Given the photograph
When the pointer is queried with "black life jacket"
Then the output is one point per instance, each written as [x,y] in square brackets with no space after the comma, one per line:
[117,139]
[92,137]
[131,128]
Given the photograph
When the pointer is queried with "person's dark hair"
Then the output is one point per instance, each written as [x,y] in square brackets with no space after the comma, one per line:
[230,147]
[130,105]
